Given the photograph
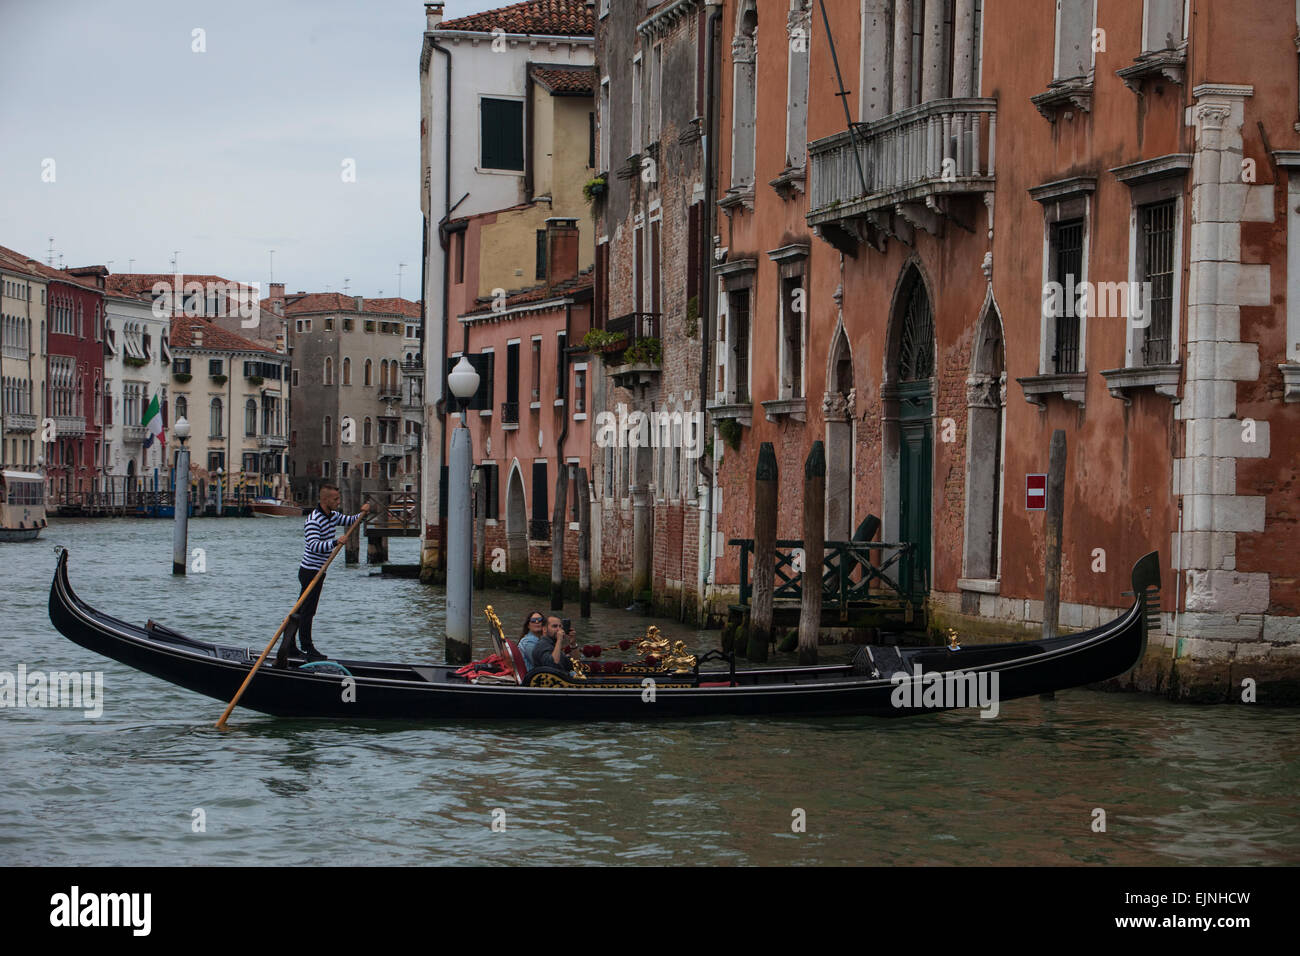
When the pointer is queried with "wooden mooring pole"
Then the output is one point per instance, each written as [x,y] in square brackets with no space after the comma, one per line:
[1055,520]
[480,528]
[765,505]
[814,552]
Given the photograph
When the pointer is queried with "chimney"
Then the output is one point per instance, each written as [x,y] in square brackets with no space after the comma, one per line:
[360,301]
[198,338]
[277,297]
[432,15]
[561,250]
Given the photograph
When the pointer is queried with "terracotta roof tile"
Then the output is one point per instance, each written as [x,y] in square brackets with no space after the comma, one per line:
[566,79]
[540,293]
[214,336]
[39,269]
[563,18]
[338,302]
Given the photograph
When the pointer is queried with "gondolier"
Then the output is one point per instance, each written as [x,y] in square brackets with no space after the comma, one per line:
[318,541]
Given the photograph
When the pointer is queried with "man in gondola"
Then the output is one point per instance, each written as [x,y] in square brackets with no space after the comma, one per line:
[318,541]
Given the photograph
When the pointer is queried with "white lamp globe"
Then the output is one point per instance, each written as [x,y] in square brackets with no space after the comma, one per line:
[463,380]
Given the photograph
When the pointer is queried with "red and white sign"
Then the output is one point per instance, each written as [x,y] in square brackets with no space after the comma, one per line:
[1035,492]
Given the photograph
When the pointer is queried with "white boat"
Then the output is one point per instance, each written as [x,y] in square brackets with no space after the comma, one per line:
[275,508]
[22,505]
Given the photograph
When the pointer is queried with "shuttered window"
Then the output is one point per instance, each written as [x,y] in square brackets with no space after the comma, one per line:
[502,134]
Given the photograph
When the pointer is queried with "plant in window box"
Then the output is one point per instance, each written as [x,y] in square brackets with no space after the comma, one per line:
[182,377]
[219,379]
[598,340]
[593,188]
[729,429]
[134,362]
[646,351]
[255,379]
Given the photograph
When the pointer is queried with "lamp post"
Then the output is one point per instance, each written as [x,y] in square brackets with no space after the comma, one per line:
[220,473]
[181,497]
[463,382]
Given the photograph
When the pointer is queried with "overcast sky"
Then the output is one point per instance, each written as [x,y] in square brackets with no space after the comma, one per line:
[225,154]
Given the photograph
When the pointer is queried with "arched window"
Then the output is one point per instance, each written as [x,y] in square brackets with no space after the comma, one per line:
[916,343]
[250,417]
[327,432]
[365,431]
[328,377]
[182,408]
[369,378]
[347,370]
[744,54]
[214,419]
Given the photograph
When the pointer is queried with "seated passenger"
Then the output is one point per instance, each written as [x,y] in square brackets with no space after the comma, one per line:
[547,648]
[530,636]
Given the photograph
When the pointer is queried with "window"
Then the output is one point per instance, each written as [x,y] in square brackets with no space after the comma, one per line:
[501,133]
[738,319]
[347,370]
[1067,270]
[369,377]
[609,471]
[512,379]
[637,131]
[215,367]
[484,365]
[591,140]
[329,325]
[1164,28]
[791,356]
[541,253]
[348,325]
[656,89]
[343,469]
[604,124]
[327,375]
[365,469]
[745,91]
[537,371]
[250,417]
[459,241]
[1156,270]
[1075,20]
[327,431]
[295,378]
[561,365]
[489,476]
[215,418]
[181,366]
[796,126]
[580,391]
[366,428]
[182,408]
[325,469]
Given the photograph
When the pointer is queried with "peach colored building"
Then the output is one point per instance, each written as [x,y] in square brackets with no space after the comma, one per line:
[898,289]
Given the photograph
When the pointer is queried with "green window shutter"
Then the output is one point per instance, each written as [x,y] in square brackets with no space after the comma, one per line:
[502,134]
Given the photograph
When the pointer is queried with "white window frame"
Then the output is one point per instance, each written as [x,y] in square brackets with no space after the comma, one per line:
[1148,194]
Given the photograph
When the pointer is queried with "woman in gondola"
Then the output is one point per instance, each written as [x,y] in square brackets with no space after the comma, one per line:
[530,636]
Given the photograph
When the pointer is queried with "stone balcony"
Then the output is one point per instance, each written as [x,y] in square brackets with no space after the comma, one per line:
[392,450]
[917,168]
[70,426]
[272,441]
[133,434]
[17,422]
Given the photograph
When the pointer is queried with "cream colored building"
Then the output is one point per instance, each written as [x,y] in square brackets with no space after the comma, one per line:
[233,392]
[22,363]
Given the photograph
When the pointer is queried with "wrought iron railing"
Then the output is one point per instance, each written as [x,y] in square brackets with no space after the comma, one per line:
[850,570]
[509,413]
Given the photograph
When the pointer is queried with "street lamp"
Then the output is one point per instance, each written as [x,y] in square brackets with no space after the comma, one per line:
[463,382]
[181,498]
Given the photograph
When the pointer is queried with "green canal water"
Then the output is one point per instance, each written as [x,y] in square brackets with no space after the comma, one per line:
[1178,784]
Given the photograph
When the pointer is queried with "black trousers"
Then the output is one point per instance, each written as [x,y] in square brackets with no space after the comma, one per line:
[308,609]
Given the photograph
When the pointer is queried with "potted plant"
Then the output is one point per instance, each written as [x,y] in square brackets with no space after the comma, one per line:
[182,377]
[219,379]
[593,188]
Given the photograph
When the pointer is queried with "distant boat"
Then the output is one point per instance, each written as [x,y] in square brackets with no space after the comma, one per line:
[882,681]
[22,505]
[275,508]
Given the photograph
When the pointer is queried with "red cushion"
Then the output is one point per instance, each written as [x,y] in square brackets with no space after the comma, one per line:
[714,683]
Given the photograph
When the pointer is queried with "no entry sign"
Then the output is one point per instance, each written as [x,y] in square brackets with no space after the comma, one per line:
[1035,492]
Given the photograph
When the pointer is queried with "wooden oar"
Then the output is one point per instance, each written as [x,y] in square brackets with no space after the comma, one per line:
[221,724]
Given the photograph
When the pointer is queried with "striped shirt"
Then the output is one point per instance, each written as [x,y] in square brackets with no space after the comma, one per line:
[318,536]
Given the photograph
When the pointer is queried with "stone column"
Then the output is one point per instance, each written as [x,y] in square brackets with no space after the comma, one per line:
[902,93]
[933,66]
[876,77]
[963,49]
[1220,600]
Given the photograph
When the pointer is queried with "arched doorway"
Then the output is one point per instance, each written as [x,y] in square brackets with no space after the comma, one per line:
[516,524]
[908,432]
[838,413]
[986,398]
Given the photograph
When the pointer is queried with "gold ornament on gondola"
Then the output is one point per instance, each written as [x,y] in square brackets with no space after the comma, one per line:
[580,669]
[952,640]
[671,655]
[495,621]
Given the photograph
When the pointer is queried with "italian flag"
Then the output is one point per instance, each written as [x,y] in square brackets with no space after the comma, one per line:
[153,424]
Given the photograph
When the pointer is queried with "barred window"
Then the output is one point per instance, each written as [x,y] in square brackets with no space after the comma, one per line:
[1156,272]
[1067,269]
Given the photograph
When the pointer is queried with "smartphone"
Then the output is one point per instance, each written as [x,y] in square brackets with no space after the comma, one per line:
[567,625]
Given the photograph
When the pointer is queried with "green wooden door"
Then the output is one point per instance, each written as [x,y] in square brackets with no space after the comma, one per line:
[916,444]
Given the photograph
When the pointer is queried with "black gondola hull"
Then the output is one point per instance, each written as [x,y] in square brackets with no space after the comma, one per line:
[929,679]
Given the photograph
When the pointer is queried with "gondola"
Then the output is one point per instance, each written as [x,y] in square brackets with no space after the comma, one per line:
[884,681]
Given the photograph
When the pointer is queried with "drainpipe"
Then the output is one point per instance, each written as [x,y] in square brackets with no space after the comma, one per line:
[446,275]
[709,303]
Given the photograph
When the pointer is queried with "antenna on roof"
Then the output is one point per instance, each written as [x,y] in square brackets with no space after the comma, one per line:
[345,286]
[272,279]
[50,261]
